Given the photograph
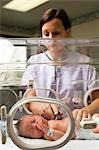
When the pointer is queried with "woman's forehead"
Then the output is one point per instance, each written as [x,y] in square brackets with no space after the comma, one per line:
[53,24]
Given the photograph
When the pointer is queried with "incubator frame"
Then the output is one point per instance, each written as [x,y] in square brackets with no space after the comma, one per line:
[8,118]
[88,93]
[55,144]
[28,90]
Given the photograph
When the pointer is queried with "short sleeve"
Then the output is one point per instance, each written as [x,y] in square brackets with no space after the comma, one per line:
[93,77]
[28,75]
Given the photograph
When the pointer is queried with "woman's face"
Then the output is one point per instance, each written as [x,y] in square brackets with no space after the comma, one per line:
[54,29]
[29,129]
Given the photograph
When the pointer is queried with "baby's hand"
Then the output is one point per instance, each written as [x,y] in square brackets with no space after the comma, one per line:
[42,124]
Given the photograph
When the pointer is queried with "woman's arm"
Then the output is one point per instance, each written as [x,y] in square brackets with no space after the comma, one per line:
[35,107]
[93,107]
[45,109]
[86,112]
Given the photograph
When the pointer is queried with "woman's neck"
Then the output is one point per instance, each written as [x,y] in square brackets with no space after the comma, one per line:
[56,55]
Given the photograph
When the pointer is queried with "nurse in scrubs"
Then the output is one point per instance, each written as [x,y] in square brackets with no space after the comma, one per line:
[55,24]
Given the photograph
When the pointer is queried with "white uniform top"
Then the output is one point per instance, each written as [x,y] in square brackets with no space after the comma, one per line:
[66,77]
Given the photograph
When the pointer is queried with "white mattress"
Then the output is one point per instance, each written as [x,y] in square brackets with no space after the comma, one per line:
[71,145]
[92,142]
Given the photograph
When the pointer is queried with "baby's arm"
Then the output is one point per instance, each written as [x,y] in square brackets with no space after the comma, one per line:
[52,129]
[53,134]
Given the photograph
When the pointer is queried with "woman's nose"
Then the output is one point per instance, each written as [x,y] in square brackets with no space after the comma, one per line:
[51,35]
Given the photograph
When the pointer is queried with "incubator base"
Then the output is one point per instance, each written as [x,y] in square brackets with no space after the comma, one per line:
[71,145]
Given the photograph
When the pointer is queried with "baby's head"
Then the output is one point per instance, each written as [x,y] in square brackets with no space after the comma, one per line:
[27,127]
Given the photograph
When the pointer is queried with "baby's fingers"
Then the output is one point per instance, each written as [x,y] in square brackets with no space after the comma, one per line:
[54,109]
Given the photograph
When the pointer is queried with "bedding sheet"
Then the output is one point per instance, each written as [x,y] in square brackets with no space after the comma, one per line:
[85,140]
[71,145]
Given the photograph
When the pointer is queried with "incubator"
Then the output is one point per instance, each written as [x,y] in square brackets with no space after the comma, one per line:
[69,82]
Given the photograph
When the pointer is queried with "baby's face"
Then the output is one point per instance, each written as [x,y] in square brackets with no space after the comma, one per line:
[28,127]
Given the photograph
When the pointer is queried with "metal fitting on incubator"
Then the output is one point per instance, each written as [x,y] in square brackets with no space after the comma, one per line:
[30,84]
[88,124]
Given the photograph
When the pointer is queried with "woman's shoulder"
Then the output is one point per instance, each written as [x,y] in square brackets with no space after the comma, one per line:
[79,57]
[37,57]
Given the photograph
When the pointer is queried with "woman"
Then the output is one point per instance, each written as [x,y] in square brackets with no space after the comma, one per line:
[55,24]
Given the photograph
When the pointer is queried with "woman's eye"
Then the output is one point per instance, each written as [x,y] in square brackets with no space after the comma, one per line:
[56,33]
[52,34]
[46,34]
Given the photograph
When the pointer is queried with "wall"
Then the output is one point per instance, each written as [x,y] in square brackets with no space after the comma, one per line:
[86,30]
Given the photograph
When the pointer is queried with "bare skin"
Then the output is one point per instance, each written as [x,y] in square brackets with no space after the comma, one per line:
[35,126]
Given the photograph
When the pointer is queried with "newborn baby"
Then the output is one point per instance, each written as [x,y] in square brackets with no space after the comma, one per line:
[35,126]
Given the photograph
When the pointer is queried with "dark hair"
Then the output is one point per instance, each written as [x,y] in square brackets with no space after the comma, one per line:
[55,13]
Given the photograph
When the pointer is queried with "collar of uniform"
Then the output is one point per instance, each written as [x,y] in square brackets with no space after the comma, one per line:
[64,56]
[49,56]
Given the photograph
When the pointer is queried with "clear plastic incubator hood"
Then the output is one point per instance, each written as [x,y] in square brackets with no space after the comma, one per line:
[62,72]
